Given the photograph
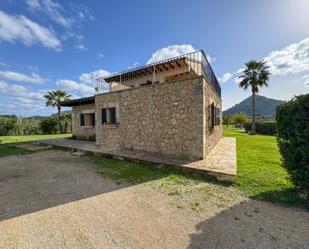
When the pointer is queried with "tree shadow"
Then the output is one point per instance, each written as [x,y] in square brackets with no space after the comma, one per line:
[253,224]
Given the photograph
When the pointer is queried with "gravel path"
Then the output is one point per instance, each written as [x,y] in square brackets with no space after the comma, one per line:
[56,200]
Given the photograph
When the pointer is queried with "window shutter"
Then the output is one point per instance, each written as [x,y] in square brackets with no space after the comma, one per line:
[92,119]
[113,115]
[82,120]
[213,113]
[217,121]
[104,116]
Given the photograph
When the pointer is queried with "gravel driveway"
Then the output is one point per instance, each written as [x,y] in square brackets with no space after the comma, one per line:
[53,200]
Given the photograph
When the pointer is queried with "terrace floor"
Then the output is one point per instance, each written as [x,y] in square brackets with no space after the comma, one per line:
[220,163]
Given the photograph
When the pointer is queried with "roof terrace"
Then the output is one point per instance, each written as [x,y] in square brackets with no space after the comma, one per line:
[180,67]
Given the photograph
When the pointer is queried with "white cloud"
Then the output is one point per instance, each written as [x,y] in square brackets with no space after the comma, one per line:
[74,86]
[100,55]
[20,91]
[21,28]
[53,9]
[306,82]
[58,13]
[170,51]
[86,84]
[81,47]
[225,77]
[89,78]
[291,59]
[290,74]
[174,51]
[15,76]
[11,88]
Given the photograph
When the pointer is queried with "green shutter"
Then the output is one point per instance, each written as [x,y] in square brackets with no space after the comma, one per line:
[112,112]
[104,116]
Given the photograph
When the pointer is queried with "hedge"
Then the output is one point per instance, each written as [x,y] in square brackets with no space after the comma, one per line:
[293,139]
[267,128]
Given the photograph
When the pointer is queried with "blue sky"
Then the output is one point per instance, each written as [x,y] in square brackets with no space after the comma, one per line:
[52,44]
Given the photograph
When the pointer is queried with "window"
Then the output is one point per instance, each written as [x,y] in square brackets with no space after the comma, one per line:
[82,119]
[217,118]
[112,112]
[87,119]
[92,119]
[214,116]
[109,115]
[104,116]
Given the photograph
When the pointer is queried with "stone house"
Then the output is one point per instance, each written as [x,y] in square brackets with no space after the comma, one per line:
[170,108]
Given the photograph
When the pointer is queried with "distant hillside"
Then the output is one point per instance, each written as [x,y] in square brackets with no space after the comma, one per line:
[264,106]
[33,117]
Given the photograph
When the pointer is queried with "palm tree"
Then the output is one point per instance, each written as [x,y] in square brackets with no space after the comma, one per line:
[55,97]
[255,75]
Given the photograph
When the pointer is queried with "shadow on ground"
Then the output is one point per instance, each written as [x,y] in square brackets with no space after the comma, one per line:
[41,180]
[36,181]
[253,224]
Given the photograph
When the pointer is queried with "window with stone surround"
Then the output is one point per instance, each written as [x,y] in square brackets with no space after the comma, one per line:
[214,115]
[109,116]
[87,119]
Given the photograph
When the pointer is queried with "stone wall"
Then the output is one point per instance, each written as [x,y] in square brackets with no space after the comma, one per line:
[82,132]
[169,119]
[211,135]
[165,118]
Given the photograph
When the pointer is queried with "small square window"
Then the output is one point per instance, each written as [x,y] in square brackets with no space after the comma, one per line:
[109,115]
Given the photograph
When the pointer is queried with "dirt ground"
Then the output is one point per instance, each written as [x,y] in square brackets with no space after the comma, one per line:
[53,199]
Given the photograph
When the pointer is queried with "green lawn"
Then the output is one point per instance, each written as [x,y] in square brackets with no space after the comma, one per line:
[26,138]
[8,143]
[259,171]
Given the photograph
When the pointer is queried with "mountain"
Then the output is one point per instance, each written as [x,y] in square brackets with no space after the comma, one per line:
[264,106]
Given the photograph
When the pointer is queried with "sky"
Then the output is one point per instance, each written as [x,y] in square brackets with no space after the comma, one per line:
[63,44]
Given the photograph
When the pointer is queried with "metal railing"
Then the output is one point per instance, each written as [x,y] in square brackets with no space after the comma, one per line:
[157,72]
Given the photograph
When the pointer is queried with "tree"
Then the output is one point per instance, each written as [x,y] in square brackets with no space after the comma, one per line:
[227,119]
[55,97]
[255,75]
[49,125]
[240,118]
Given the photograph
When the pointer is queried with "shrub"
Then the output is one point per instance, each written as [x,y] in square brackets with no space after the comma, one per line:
[293,139]
[267,128]
[240,119]
[8,127]
[49,125]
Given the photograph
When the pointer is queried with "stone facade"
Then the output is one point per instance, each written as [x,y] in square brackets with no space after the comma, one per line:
[211,135]
[168,119]
[82,132]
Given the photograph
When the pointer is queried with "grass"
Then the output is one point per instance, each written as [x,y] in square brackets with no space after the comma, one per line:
[27,138]
[9,150]
[136,173]
[131,172]
[259,171]
[8,143]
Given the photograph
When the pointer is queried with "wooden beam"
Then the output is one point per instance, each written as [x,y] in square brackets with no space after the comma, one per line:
[158,67]
[166,68]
